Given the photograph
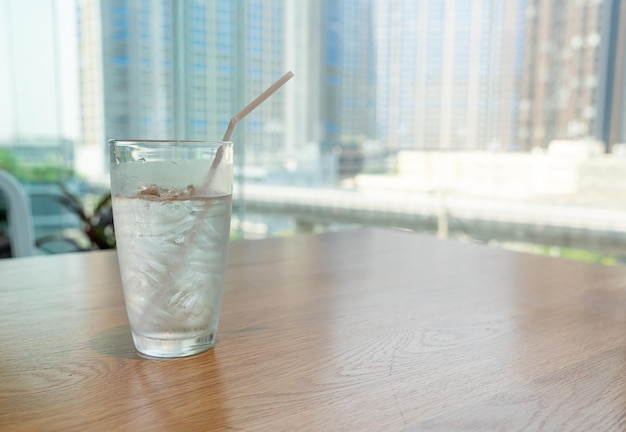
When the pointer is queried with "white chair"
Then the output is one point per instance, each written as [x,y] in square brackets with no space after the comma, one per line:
[20,216]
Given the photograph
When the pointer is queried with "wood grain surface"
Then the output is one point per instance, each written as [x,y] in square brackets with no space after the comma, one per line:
[371,330]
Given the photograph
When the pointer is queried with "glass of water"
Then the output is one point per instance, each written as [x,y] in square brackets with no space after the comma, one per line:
[172,209]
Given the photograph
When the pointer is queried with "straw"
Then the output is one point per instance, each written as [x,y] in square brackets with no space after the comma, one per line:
[241,114]
[192,233]
[255,103]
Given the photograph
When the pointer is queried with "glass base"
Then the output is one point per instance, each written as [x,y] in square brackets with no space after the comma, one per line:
[172,348]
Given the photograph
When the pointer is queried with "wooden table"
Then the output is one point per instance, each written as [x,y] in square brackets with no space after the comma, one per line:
[363,330]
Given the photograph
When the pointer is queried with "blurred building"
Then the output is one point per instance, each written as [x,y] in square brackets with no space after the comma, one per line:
[348,75]
[448,73]
[616,122]
[572,67]
[181,69]
[347,83]
[155,70]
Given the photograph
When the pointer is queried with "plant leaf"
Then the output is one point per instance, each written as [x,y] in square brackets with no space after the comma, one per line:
[104,202]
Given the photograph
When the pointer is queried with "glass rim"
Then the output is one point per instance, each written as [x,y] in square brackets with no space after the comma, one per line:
[170,141]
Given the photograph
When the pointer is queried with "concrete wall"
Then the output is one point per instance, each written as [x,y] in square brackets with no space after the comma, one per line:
[565,169]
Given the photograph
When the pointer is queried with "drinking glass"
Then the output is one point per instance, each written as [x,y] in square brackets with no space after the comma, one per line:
[172,209]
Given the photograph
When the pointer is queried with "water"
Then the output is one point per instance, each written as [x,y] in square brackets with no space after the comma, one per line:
[172,255]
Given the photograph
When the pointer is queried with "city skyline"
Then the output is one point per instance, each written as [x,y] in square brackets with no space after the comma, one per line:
[448,73]
[184,68]
[453,75]
[571,67]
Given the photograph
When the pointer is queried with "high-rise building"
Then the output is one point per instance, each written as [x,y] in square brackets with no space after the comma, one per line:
[348,76]
[331,101]
[182,68]
[262,61]
[448,72]
[157,70]
[615,124]
[346,79]
[179,69]
[569,71]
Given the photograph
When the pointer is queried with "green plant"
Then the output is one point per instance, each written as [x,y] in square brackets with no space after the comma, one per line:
[42,172]
[97,230]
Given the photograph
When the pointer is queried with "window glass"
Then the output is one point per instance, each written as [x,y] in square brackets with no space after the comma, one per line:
[459,118]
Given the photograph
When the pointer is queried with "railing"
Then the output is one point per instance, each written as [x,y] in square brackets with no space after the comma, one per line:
[477,218]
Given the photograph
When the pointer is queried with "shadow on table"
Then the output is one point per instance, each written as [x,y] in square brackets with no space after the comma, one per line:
[115,342]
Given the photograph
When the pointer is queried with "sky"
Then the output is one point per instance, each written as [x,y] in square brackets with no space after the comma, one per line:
[38,95]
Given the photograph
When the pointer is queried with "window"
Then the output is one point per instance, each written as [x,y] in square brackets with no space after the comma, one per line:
[423,94]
